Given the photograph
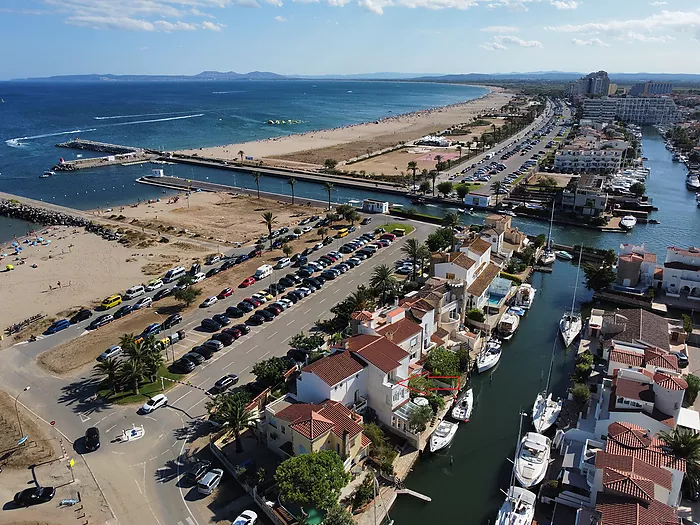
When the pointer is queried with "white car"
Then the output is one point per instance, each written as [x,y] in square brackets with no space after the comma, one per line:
[154,285]
[209,301]
[306,229]
[259,297]
[282,263]
[247,517]
[154,403]
[112,351]
[318,246]
[198,277]
[144,302]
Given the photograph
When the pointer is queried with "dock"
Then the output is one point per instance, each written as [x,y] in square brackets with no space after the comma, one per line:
[101,147]
[117,155]
[414,494]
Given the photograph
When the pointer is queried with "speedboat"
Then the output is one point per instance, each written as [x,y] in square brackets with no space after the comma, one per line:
[570,327]
[461,210]
[692,182]
[443,435]
[545,411]
[517,310]
[547,257]
[627,222]
[508,325]
[489,357]
[532,459]
[47,174]
[562,254]
[462,410]
[518,508]
[525,295]
[697,199]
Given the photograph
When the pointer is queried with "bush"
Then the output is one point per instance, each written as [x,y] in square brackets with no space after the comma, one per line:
[375,435]
[691,393]
[581,393]
[582,372]
[687,324]
[364,493]
[476,315]
[513,278]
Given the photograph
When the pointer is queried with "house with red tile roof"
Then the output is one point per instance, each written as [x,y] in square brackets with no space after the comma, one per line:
[681,277]
[398,324]
[294,428]
[623,355]
[635,266]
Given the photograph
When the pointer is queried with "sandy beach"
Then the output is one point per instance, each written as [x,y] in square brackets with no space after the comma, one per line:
[346,142]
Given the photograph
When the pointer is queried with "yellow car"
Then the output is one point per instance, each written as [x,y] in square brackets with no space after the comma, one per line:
[112,301]
[267,296]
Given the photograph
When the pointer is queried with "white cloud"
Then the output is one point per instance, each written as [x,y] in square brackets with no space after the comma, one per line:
[493,46]
[649,38]
[658,3]
[597,42]
[169,27]
[247,3]
[211,26]
[280,18]
[498,42]
[565,4]
[665,20]
[500,29]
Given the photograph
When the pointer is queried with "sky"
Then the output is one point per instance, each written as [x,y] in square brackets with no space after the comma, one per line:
[60,37]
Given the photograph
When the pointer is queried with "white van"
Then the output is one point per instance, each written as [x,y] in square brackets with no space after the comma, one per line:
[198,277]
[283,263]
[174,274]
[134,291]
[263,271]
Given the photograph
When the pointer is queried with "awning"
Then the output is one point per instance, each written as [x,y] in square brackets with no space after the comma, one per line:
[689,419]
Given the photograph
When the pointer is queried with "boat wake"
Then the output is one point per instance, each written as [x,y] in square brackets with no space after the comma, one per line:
[17,142]
[225,92]
[139,115]
[156,120]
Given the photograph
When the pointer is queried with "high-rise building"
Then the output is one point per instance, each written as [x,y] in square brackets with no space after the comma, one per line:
[638,110]
[651,88]
[596,83]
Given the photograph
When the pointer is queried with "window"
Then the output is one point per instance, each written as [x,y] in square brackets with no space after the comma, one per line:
[273,435]
[283,432]
[414,341]
[449,276]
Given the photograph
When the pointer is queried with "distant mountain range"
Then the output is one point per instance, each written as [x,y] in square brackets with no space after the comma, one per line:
[535,76]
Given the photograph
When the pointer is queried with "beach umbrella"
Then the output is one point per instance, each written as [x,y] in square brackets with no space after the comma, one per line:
[9,267]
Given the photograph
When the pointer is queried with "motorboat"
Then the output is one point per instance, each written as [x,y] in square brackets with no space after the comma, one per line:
[570,323]
[525,295]
[518,507]
[508,325]
[461,210]
[697,199]
[489,357]
[517,310]
[443,435]
[676,157]
[545,411]
[562,254]
[628,222]
[692,182]
[462,410]
[547,257]
[47,174]
[532,459]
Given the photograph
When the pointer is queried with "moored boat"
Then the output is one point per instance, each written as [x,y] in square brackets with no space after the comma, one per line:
[570,323]
[518,507]
[489,357]
[525,295]
[462,410]
[692,182]
[628,222]
[443,435]
[532,459]
[545,411]
[508,325]
[563,254]
[47,174]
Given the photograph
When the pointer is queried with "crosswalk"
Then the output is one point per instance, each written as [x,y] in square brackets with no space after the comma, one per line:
[188,521]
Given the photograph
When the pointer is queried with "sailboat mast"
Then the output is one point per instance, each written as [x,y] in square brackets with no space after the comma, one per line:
[551,363]
[549,235]
[578,270]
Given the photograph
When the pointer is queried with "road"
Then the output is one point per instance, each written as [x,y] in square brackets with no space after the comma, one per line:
[141,480]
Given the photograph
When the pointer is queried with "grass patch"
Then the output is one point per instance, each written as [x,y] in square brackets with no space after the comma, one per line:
[473,186]
[146,391]
[390,226]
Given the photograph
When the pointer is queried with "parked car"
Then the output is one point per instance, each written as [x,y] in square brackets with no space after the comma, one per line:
[157,401]
[210,325]
[196,358]
[80,316]
[214,344]
[197,471]
[92,439]
[112,351]
[151,329]
[233,311]
[172,320]
[682,359]
[222,319]
[247,517]
[212,272]
[34,496]
[101,321]
[59,325]
[208,302]
[184,365]
[226,337]
[245,306]
[210,481]
[154,285]
[205,351]
[226,292]
[245,283]
[162,293]
[225,382]
[245,329]
[255,320]
[144,302]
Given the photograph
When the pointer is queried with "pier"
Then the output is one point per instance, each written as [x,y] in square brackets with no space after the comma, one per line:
[414,494]
[101,147]
[118,155]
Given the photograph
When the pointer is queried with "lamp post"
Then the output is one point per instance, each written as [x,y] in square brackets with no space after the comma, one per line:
[21,434]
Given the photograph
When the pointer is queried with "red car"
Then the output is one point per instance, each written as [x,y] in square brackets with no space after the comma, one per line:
[225,293]
[252,301]
[254,253]
[247,282]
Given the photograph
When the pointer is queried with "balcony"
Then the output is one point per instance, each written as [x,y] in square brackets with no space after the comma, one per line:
[359,405]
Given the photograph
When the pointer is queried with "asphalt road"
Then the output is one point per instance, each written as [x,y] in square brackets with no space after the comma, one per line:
[141,479]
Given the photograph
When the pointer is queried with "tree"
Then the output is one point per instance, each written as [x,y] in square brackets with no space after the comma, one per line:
[329,187]
[337,515]
[256,178]
[540,240]
[413,166]
[418,418]
[459,149]
[241,153]
[450,221]
[547,182]
[305,342]
[439,239]
[691,393]
[476,315]
[465,361]
[462,190]
[412,249]
[364,493]
[638,189]
[353,217]
[187,295]
[423,255]
[424,187]
[445,188]
[271,371]
[383,280]
[109,369]
[287,250]
[322,231]
[132,372]
[232,410]
[433,175]
[598,277]
[581,393]
[497,187]
[442,362]
[269,220]
[330,164]
[375,434]
[684,443]
[185,281]
[292,181]
[687,323]
[312,479]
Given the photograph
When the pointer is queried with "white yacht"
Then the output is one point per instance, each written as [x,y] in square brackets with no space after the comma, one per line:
[548,256]
[489,357]
[692,182]
[518,508]
[508,325]
[532,459]
[545,411]
[525,295]
[628,222]
[443,435]
[47,174]
[462,410]
[563,254]
[570,323]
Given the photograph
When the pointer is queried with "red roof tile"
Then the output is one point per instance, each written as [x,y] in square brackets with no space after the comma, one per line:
[628,484]
[479,246]
[365,441]
[618,510]
[661,359]
[313,420]
[400,330]
[377,350]
[461,259]
[626,357]
[629,435]
[435,339]
[483,281]
[658,475]
[670,382]
[655,454]
[634,390]
[312,427]
[335,368]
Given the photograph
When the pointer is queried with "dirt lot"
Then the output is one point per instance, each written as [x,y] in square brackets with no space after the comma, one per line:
[39,447]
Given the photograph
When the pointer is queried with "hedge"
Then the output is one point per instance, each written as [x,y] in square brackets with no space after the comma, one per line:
[514,278]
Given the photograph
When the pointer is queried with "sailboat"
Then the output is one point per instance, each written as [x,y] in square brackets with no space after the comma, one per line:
[548,256]
[519,505]
[546,410]
[570,322]
[462,410]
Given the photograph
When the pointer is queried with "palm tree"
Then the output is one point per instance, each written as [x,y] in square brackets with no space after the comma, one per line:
[109,369]
[412,248]
[269,220]
[127,341]
[413,166]
[353,217]
[233,410]
[684,443]
[423,254]
[497,187]
[459,148]
[241,153]
[434,175]
[133,372]
[329,187]
[322,231]
[256,178]
[292,181]
[383,280]
[418,418]
[361,299]
[451,220]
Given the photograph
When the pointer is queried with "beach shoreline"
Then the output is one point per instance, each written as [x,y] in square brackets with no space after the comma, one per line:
[311,148]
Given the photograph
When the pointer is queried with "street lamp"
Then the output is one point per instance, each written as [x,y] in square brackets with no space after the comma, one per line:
[21,434]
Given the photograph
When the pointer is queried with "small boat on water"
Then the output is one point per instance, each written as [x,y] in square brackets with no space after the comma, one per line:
[518,508]
[517,310]
[562,254]
[47,174]
[545,411]
[461,210]
[628,222]
[692,182]
[462,410]
[532,459]
[489,357]
[547,257]
[525,295]
[508,325]
[676,157]
[443,435]
[697,199]
[570,323]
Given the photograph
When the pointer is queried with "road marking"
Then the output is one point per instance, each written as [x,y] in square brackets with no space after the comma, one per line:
[307,311]
[273,334]
[151,418]
[251,349]
[137,486]
[189,521]
[84,418]
[183,396]
[198,402]
[110,428]
[264,354]
[286,339]
[290,323]
[322,300]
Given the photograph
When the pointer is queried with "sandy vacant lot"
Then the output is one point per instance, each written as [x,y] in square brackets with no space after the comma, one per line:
[352,141]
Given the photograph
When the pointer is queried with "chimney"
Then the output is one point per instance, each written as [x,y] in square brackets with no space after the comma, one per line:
[346,452]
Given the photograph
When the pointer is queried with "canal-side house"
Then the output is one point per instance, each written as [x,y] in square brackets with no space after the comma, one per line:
[513,238]
[636,267]
[294,428]
[585,196]
[681,274]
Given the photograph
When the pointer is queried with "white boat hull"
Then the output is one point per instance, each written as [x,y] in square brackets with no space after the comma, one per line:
[564,255]
[462,411]
[508,325]
[545,412]
[570,328]
[488,358]
[443,435]
[518,508]
[530,471]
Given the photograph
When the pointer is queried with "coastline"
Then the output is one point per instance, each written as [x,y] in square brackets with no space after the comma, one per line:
[311,148]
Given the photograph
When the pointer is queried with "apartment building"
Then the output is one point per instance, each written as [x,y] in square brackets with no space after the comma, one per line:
[651,88]
[638,110]
[585,196]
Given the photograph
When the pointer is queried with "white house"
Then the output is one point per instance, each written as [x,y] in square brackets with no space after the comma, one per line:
[495,238]
[375,206]
[475,200]
[681,276]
